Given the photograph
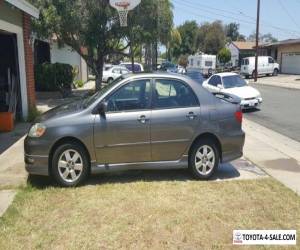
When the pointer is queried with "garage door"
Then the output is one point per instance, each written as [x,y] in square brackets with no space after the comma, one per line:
[291,63]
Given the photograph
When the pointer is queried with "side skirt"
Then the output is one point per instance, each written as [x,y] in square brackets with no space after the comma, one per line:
[102,168]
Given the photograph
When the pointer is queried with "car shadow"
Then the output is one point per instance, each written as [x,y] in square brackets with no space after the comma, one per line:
[225,172]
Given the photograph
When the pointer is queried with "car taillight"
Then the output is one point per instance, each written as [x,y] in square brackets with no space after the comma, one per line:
[239,116]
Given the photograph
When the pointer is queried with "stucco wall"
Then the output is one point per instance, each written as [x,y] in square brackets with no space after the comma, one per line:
[10,14]
[66,55]
[286,49]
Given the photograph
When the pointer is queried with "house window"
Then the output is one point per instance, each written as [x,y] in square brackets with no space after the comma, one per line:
[208,63]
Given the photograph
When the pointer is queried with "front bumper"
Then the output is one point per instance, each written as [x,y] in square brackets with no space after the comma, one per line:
[36,156]
[252,103]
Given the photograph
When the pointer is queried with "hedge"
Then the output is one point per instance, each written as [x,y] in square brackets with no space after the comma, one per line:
[53,77]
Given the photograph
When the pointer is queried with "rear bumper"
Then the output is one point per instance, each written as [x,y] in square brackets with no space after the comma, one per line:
[233,148]
[248,104]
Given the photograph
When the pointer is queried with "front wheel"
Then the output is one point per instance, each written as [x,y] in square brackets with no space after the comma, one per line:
[204,159]
[70,166]
[275,72]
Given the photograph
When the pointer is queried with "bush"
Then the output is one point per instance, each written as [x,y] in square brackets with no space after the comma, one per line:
[79,83]
[33,113]
[54,77]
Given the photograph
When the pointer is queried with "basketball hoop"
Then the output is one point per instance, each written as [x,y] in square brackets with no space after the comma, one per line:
[123,7]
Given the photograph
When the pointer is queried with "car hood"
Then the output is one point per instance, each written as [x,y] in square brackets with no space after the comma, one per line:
[62,110]
[243,92]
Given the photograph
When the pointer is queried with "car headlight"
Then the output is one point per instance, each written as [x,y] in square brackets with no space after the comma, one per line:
[37,130]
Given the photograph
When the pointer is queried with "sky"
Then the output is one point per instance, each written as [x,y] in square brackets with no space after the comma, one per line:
[281,18]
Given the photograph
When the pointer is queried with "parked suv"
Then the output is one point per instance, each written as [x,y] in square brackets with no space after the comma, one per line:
[266,66]
[144,121]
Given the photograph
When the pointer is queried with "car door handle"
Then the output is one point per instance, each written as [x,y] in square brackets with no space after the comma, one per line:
[191,116]
[143,119]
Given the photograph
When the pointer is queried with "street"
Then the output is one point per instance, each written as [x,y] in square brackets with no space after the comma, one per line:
[279,111]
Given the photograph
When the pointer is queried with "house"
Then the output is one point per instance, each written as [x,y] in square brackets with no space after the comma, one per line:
[240,50]
[16,56]
[52,52]
[286,53]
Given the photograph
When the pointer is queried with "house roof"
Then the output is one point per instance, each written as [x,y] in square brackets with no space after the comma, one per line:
[25,6]
[244,45]
[283,42]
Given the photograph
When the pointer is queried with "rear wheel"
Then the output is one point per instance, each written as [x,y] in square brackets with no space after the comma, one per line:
[70,166]
[275,72]
[253,74]
[204,159]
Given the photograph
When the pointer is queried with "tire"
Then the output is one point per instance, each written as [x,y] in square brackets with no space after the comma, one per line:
[275,72]
[76,170]
[253,74]
[110,80]
[195,166]
[247,76]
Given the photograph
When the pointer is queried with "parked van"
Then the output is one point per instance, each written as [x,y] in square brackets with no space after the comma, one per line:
[206,64]
[266,66]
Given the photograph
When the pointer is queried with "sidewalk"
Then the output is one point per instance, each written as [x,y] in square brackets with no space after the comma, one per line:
[276,154]
[283,81]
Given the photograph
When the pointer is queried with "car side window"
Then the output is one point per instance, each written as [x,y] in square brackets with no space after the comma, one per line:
[213,81]
[133,96]
[116,71]
[271,60]
[173,94]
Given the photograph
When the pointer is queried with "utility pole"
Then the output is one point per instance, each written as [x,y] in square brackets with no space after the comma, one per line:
[257,39]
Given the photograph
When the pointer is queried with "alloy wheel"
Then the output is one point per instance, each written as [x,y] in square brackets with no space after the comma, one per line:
[205,160]
[70,165]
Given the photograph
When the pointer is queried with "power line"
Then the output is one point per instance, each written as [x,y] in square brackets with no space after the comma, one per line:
[186,4]
[288,13]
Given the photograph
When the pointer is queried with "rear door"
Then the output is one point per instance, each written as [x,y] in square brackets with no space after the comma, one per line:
[175,115]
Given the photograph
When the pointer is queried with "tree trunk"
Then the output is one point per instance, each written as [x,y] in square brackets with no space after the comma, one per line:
[132,57]
[99,73]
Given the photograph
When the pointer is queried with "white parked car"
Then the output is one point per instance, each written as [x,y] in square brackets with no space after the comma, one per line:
[266,66]
[112,73]
[137,66]
[234,84]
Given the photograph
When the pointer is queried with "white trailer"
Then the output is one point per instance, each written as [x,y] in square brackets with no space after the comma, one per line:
[206,64]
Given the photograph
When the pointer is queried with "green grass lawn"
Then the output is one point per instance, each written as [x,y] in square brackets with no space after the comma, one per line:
[146,210]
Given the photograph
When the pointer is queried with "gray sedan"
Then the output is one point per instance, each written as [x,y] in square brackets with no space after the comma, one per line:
[144,121]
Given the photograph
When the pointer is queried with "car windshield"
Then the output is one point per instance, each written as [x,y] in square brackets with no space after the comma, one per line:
[91,99]
[233,82]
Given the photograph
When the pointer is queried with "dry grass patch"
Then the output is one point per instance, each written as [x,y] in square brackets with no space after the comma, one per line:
[161,214]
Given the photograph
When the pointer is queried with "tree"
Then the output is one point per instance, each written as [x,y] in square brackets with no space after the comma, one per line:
[224,55]
[263,38]
[211,37]
[183,61]
[91,28]
[174,43]
[232,31]
[188,33]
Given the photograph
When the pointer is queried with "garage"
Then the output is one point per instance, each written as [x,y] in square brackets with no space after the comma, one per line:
[291,63]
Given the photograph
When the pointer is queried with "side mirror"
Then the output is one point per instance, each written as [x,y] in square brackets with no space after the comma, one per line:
[220,86]
[100,109]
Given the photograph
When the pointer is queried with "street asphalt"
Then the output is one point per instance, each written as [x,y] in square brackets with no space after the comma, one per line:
[280,110]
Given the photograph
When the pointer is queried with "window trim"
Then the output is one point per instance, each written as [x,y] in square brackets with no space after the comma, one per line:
[176,107]
[123,85]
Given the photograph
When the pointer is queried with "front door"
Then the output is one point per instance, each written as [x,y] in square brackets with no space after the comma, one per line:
[123,135]
[175,115]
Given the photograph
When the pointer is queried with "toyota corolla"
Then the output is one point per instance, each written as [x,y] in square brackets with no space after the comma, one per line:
[143,121]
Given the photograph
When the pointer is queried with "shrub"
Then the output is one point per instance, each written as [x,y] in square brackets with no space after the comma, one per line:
[33,113]
[54,77]
[79,83]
